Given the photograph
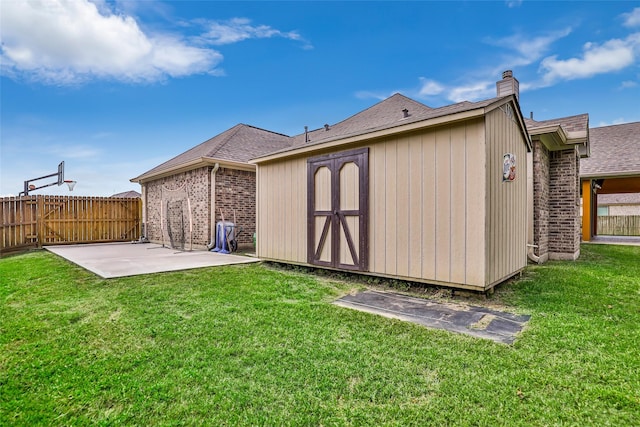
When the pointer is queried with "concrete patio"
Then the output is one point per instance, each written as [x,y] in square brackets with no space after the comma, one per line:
[615,240]
[110,260]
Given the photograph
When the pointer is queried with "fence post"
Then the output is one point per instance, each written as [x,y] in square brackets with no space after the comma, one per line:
[40,220]
[140,216]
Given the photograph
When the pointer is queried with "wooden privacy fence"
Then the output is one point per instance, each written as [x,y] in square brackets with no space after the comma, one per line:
[34,221]
[619,225]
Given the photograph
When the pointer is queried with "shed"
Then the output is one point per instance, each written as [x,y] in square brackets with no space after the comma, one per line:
[403,191]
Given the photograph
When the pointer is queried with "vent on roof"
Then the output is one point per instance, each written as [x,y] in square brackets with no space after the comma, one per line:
[326,127]
[405,113]
[306,134]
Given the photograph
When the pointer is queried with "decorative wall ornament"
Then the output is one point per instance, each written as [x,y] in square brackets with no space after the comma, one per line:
[508,111]
[508,167]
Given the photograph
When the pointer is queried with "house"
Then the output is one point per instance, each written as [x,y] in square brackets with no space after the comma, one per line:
[460,195]
[405,191]
[132,194]
[184,197]
[612,169]
[558,146]
[626,204]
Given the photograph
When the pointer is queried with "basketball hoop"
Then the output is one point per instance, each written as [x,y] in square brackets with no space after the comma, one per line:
[29,186]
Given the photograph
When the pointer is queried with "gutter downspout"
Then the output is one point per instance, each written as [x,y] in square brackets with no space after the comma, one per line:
[530,246]
[143,231]
[212,241]
[531,255]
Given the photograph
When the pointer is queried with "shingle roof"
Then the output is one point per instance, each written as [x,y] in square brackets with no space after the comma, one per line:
[619,199]
[243,142]
[615,150]
[385,112]
[384,115]
[579,122]
[128,194]
[237,144]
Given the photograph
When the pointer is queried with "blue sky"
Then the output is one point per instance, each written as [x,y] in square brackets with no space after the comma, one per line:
[116,88]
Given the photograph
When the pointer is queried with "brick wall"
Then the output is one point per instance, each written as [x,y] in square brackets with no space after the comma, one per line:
[564,204]
[541,199]
[556,203]
[198,188]
[236,191]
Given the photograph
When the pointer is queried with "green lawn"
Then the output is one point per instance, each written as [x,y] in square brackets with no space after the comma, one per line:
[254,345]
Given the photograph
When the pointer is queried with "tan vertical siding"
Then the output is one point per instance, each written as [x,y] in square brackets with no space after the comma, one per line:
[288,211]
[458,203]
[438,209]
[282,210]
[476,201]
[428,202]
[402,207]
[377,203]
[415,211]
[388,224]
[507,203]
[427,205]
[442,206]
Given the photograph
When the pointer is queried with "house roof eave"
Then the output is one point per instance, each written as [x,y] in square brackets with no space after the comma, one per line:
[614,174]
[553,136]
[190,165]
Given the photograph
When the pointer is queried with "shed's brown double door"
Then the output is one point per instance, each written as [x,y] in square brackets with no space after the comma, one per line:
[337,210]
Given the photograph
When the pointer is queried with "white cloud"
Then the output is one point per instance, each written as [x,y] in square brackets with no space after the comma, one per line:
[528,49]
[70,41]
[613,55]
[632,19]
[430,87]
[513,3]
[522,50]
[77,151]
[628,84]
[239,29]
[472,91]
[364,94]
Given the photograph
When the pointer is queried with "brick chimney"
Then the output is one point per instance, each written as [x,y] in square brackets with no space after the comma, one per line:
[509,85]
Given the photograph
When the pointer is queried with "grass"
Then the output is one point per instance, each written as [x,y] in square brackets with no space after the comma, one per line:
[256,345]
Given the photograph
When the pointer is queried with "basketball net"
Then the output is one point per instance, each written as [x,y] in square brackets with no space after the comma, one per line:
[176,218]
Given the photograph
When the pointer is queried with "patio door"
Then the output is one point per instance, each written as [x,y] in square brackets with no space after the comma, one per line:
[338,210]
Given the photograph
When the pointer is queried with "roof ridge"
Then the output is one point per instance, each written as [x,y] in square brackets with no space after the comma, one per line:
[616,124]
[397,94]
[558,118]
[226,139]
[194,148]
[265,130]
